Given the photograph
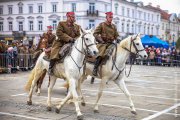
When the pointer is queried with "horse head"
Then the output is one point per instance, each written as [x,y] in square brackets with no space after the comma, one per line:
[134,45]
[89,43]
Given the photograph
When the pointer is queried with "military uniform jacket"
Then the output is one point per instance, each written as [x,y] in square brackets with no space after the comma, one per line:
[108,33]
[65,33]
[47,42]
[105,33]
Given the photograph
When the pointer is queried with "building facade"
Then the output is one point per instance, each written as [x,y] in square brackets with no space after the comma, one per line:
[30,17]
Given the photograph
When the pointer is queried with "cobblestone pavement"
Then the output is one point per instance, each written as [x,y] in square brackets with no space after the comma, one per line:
[155,93]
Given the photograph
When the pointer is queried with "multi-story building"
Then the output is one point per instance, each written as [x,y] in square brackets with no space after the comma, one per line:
[30,17]
[170,25]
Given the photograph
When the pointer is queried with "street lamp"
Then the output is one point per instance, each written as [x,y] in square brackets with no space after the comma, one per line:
[173,39]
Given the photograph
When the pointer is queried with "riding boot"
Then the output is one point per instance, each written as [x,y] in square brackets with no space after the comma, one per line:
[51,65]
[97,63]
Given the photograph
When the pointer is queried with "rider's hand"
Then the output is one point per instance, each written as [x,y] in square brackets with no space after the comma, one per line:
[72,40]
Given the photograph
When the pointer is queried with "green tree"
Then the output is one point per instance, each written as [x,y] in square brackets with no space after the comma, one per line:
[178,43]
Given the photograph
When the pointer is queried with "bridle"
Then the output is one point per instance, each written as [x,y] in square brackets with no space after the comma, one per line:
[137,53]
[84,52]
[132,43]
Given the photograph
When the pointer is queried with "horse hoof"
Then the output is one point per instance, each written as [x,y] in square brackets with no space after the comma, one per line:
[29,102]
[49,108]
[38,94]
[134,112]
[80,117]
[57,110]
[96,111]
[83,104]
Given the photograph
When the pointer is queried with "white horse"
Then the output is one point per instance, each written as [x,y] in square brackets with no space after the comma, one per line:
[71,70]
[132,44]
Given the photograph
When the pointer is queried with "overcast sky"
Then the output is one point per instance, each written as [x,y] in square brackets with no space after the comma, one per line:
[173,6]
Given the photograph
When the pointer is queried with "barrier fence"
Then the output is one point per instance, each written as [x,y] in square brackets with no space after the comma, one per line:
[11,63]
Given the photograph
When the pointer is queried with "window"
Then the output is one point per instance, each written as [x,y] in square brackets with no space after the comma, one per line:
[132,28]
[30,9]
[10,9]
[139,12]
[132,13]
[20,26]
[144,29]
[1,26]
[162,26]
[127,12]
[116,8]
[40,25]
[91,6]
[157,18]
[54,24]
[148,30]
[1,10]
[148,16]
[152,17]
[122,27]
[20,9]
[127,28]
[151,30]
[91,24]
[54,8]
[30,25]
[139,28]
[157,31]
[73,7]
[39,8]
[10,26]
[106,8]
[123,11]
[144,16]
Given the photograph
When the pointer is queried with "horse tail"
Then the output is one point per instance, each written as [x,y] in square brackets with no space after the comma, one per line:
[31,77]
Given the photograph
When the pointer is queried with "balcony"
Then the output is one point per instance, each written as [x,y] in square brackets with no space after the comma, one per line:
[94,13]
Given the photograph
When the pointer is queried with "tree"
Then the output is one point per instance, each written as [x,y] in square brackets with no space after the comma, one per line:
[178,43]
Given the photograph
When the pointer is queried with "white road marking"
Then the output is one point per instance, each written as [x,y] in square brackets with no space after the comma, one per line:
[21,116]
[19,94]
[110,92]
[162,112]
[110,105]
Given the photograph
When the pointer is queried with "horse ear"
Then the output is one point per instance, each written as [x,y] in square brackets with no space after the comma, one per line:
[92,29]
[82,31]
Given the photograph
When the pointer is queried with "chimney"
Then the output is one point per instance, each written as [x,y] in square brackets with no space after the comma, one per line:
[158,6]
[150,4]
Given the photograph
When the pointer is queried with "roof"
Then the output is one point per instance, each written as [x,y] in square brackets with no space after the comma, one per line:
[164,14]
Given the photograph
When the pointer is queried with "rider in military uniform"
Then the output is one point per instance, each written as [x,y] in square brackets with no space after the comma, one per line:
[67,32]
[106,34]
[45,43]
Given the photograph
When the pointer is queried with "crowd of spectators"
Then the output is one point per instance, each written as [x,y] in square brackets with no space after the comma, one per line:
[161,57]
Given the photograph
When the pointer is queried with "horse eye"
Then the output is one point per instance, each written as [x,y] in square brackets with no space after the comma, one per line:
[137,43]
[86,38]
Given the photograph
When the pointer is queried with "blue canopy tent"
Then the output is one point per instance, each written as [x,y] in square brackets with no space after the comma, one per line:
[154,41]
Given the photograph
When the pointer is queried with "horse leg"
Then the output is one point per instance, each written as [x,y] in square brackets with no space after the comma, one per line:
[73,90]
[80,81]
[51,85]
[58,108]
[37,73]
[101,87]
[40,81]
[120,83]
